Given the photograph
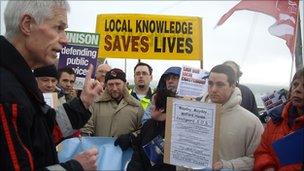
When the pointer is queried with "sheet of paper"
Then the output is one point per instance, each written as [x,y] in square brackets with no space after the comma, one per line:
[51,99]
[192,136]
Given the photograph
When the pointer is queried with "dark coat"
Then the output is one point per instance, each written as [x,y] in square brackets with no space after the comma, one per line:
[139,160]
[248,100]
[27,123]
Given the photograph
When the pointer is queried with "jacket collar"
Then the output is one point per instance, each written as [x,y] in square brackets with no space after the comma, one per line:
[294,119]
[235,99]
[105,97]
[13,61]
[148,96]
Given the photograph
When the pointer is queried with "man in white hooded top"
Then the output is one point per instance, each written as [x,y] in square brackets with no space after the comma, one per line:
[240,130]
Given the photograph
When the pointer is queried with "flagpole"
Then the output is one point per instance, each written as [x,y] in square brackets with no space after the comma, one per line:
[291,70]
[126,66]
[299,46]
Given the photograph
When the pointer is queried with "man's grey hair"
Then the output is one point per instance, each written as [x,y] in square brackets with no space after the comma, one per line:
[100,65]
[40,10]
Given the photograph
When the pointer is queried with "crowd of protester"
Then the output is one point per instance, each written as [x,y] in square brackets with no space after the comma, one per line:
[106,106]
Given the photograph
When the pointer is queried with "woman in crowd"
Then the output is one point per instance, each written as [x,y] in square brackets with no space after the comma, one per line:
[145,157]
[291,120]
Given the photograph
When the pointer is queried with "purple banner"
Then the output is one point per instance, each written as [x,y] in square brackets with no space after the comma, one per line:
[78,58]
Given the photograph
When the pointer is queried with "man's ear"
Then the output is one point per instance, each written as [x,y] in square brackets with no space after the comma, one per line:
[25,24]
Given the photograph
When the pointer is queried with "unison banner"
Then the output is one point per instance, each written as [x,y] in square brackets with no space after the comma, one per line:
[143,36]
[110,157]
[81,51]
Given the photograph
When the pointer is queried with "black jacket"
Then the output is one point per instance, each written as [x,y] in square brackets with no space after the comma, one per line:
[139,160]
[248,100]
[27,123]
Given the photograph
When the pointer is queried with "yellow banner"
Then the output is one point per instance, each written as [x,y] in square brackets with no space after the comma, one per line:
[143,36]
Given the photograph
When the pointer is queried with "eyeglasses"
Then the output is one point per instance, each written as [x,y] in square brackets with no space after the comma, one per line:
[141,73]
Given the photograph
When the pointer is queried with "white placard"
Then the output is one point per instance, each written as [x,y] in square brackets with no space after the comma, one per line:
[192,82]
[192,134]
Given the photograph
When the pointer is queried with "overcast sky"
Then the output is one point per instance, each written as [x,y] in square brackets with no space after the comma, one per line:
[244,38]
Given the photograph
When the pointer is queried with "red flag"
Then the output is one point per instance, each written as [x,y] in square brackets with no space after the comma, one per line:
[284,11]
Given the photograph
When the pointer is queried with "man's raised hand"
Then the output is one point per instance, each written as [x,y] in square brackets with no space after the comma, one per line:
[91,88]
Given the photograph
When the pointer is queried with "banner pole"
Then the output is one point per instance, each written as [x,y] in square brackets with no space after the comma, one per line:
[298,47]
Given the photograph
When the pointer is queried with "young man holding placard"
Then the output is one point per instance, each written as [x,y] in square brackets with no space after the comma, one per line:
[240,130]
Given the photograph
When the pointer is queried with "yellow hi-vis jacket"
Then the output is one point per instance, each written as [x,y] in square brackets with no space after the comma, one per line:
[145,102]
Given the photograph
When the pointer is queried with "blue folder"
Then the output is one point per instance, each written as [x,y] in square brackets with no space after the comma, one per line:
[110,157]
[155,150]
[290,149]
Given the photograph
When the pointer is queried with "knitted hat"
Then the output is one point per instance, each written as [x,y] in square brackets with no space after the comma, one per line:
[115,74]
[47,71]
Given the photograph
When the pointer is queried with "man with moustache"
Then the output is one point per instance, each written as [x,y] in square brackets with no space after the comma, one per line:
[115,112]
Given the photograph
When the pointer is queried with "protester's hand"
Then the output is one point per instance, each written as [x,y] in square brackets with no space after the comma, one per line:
[124,141]
[73,93]
[158,114]
[87,159]
[91,88]
[217,165]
